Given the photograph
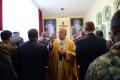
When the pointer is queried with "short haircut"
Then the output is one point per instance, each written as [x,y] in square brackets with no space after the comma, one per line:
[5,35]
[89,26]
[99,33]
[115,23]
[15,32]
[32,33]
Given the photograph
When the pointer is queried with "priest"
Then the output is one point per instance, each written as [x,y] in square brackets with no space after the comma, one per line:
[62,64]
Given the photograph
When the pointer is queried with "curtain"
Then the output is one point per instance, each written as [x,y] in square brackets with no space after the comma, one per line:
[1,25]
[40,22]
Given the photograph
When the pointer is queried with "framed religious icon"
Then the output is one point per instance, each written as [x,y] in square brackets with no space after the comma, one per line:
[76,26]
[50,26]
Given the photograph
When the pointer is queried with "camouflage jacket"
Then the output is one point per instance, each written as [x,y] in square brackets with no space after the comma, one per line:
[7,71]
[107,66]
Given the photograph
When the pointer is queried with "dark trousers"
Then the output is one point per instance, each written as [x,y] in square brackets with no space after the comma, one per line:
[82,73]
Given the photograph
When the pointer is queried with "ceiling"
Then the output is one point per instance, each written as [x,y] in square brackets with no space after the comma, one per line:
[71,7]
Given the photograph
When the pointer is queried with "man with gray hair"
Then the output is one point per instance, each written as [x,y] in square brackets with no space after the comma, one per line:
[63,64]
[45,39]
[16,39]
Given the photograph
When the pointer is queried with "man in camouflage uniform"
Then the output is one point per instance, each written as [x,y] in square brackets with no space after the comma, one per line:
[7,71]
[107,66]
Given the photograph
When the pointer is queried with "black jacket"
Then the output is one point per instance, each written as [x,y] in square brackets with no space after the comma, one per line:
[32,58]
[88,48]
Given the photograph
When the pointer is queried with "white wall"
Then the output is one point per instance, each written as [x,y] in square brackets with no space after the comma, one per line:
[20,15]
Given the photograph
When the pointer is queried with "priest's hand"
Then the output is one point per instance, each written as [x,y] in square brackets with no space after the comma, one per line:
[62,51]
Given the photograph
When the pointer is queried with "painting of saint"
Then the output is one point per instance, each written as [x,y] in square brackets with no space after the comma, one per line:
[49,26]
[76,26]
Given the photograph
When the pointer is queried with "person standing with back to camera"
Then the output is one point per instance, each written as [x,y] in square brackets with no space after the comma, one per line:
[88,48]
[32,58]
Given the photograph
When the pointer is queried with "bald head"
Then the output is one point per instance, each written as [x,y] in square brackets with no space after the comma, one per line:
[62,33]
[63,30]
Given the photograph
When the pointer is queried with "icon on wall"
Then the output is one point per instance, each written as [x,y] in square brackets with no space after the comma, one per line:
[99,18]
[107,13]
[76,26]
[103,28]
[50,26]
